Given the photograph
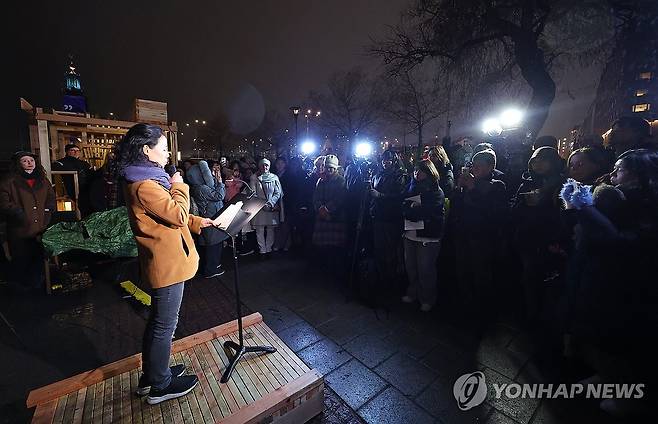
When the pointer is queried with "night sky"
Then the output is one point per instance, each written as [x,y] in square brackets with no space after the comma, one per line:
[196,55]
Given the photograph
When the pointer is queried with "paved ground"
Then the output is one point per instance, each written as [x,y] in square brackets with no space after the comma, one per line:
[378,369]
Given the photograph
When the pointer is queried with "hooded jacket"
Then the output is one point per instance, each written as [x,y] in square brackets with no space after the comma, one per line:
[208,193]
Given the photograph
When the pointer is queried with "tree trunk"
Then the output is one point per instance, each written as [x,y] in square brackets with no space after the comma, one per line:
[530,59]
[419,152]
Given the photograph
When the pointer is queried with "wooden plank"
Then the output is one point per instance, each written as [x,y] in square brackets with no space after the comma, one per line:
[274,361]
[98,402]
[156,412]
[88,412]
[233,389]
[183,413]
[116,398]
[254,361]
[93,121]
[135,401]
[204,393]
[126,399]
[69,409]
[108,394]
[59,412]
[45,413]
[44,150]
[167,416]
[266,405]
[218,404]
[248,393]
[232,405]
[214,333]
[71,384]
[195,409]
[252,381]
[80,406]
[287,354]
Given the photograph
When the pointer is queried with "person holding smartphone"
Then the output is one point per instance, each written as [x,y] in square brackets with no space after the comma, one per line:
[158,210]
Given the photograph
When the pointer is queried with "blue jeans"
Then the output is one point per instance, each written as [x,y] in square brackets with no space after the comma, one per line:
[160,327]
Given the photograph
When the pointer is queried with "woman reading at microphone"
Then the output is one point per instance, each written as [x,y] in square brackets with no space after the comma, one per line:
[158,209]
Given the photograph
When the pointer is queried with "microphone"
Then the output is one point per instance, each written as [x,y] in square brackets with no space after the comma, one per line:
[170,169]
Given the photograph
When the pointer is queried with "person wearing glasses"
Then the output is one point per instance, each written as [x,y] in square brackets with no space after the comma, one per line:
[72,162]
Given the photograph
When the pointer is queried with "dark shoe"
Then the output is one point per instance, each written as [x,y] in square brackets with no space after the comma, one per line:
[144,387]
[179,386]
[216,273]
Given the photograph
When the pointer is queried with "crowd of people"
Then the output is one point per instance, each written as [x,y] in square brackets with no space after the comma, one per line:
[576,236]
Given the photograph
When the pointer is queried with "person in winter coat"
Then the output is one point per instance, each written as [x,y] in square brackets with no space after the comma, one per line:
[421,246]
[441,162]
[477,213]
[587,165]
[539,231]
[27,199]
[387,193]
[267,187]
[208,191]
[158,210]
[292,177]
[612,296]
[328,203]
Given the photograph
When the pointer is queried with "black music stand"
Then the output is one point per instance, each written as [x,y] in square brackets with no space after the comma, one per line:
[250,207]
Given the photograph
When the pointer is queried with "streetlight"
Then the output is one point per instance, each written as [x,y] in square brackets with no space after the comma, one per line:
[295,113]
[309,113]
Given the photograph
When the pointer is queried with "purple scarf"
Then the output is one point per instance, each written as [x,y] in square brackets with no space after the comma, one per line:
[146,171]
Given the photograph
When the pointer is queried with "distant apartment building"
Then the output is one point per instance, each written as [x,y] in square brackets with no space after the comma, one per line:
[629,83]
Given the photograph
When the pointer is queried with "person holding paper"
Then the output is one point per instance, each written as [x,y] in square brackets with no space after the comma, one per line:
[159,214]
[267,187]
[424,204]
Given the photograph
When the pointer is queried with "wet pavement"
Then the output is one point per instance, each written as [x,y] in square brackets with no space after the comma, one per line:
[398,368]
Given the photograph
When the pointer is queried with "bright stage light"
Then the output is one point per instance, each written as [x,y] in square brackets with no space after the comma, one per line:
[511,118]
[363,149]
[492,127]
[308,147]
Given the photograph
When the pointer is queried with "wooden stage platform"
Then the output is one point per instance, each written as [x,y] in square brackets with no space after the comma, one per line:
[275,387]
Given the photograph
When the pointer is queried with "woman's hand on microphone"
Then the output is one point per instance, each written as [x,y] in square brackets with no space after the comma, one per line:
[176,178]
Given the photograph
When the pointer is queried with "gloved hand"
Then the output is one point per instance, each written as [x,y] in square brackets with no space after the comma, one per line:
[576,195]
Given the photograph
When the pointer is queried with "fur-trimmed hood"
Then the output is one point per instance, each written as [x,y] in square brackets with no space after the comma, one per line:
[200,174]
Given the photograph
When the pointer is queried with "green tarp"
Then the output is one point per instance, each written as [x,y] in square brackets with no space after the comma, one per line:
[106,232]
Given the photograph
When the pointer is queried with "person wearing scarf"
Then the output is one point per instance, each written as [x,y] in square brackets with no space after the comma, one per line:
[267,187]
[159,214]
[27,199]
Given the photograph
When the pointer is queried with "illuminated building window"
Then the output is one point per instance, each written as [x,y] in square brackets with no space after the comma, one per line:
[646,75]
[641,92]
[642,107]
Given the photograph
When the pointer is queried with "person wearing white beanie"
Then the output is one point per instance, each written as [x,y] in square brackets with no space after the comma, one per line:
[267,186]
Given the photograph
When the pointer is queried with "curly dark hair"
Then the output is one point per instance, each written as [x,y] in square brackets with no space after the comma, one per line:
[131,147]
